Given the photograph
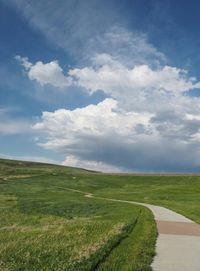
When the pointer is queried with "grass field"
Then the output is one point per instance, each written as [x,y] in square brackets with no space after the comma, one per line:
[46,226]
[179,193]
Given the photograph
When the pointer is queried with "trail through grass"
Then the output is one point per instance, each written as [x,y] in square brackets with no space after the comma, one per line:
[46,224]
[46,227]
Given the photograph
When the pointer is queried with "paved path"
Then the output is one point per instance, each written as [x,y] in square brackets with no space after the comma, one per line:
[178,242]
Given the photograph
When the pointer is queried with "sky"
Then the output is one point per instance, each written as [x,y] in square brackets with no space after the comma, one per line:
[106,85]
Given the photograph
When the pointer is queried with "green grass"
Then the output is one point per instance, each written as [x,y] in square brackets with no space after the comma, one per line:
[135,252]
[44,226]
[179,193]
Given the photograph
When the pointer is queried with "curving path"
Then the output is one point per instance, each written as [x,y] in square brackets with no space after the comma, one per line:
[178,242]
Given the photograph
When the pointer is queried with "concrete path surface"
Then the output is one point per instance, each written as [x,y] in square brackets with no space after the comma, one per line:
[178,242]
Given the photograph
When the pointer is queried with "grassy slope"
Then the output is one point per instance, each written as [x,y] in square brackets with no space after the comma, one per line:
[43,226]
[179,193]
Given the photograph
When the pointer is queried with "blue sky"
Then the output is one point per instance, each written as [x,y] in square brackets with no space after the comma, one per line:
[108,85]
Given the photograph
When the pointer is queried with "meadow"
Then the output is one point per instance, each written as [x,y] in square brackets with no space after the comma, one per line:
[46,224]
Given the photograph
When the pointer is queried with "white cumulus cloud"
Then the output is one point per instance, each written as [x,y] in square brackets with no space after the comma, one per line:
[119,81]
[99,120]
[45,73]
[148,122]
[100,135]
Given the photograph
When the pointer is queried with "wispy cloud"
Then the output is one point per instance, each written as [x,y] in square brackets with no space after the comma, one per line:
[83,28]
[10,125]
[6,110]
[127,47]
[68,24]
[14,127]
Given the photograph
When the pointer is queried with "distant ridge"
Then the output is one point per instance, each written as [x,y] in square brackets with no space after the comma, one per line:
[42,165]
[153,174]
[11,162]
